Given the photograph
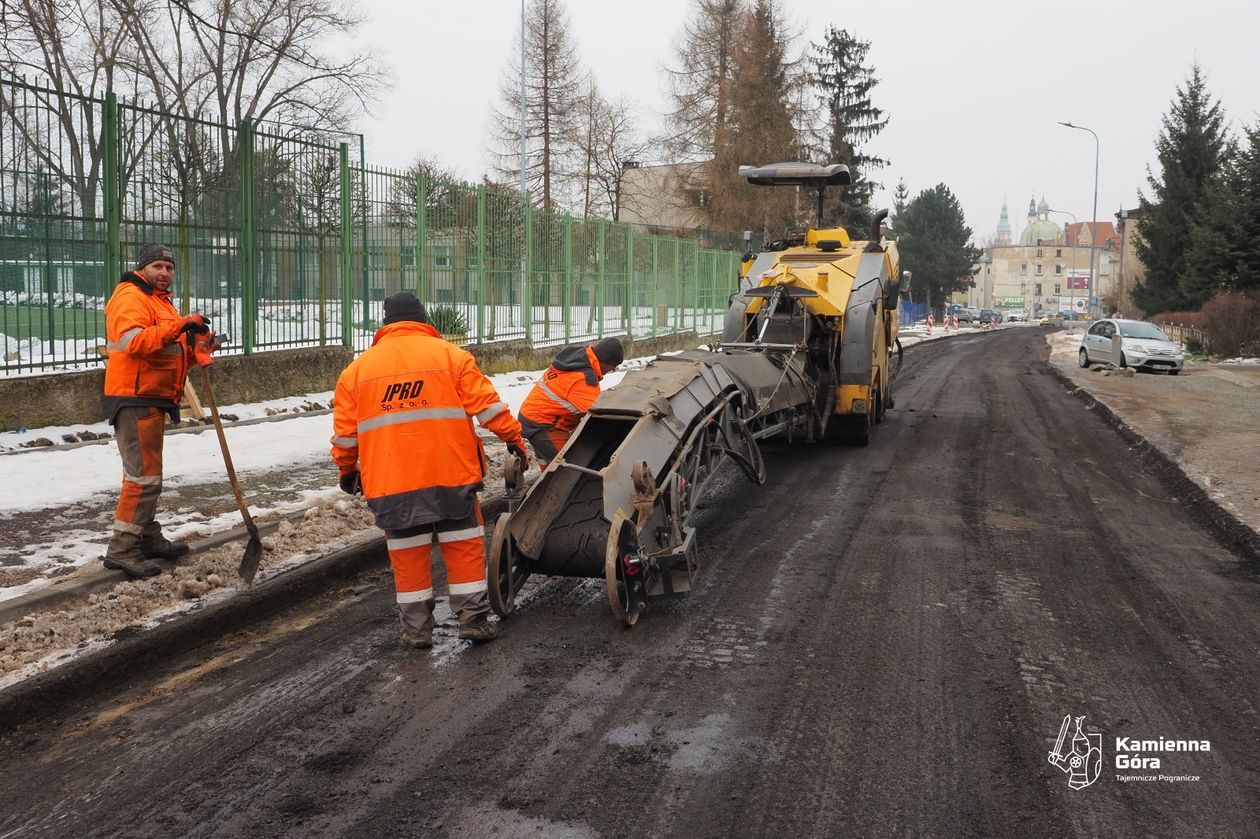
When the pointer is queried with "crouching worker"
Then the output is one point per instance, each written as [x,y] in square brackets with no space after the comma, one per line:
[150,346]
[403,434]
[566,391]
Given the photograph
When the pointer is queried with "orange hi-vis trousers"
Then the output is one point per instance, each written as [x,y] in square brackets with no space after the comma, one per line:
[461,543]
[140,433]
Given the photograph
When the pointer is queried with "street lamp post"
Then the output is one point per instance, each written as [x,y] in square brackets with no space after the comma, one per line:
[1072,270]
[1093,244]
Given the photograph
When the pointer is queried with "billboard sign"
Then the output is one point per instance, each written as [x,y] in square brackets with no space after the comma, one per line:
[1078,280]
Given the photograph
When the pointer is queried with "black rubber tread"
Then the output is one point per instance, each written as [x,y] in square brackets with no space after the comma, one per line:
[576,541]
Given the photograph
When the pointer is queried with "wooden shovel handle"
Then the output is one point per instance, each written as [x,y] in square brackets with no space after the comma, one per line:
[227,455]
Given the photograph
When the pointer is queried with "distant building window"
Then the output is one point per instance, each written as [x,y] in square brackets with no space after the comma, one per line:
[1039,269]
[1058,289]
[442,261]
[1058,269]
[407,257]
[1023,267]
[1058,251]
[1039,253]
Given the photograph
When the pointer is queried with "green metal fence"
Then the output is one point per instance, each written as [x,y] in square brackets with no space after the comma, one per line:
[285,237]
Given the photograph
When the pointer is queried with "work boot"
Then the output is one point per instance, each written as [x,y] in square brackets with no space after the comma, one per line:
[417,643]
[133,564]
[156,546]
[478,631]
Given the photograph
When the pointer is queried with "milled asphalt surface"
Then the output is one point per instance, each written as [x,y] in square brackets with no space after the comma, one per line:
[883,643]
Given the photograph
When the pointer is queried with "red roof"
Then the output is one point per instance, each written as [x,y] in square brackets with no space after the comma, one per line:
[1103,232]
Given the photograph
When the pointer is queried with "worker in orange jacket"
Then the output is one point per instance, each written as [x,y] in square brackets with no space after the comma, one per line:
[566,391]
[150,346]
[403,432]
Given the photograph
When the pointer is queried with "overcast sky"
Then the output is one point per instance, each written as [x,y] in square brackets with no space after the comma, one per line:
[973,88]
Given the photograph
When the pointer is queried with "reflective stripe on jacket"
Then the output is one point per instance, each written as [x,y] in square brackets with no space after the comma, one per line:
[147,358]
[402,416]
[566,391]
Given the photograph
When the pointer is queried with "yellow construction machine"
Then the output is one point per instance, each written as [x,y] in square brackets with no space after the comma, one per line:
[817,293]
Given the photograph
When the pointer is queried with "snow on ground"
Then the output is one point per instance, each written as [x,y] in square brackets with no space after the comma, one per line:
[78,486]
[37,480]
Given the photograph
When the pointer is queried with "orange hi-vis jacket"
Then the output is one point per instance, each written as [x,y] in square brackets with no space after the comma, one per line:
[402,416]
[148,361]
[566,391]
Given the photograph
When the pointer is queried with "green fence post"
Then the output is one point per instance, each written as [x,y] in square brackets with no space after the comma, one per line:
[113,203]
[627,310]
[363,190]
[481,264]
[347,234]
[247,252]
[528,293]
[603,279]
[422,237]
[676,299]
[568,273]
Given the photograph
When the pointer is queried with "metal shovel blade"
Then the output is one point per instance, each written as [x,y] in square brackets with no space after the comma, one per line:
[253,555]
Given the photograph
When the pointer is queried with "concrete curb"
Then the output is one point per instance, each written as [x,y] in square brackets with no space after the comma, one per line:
[44,695]
[1232,533]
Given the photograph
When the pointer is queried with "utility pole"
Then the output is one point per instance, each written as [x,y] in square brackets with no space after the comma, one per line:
[1093,242]
[526,320]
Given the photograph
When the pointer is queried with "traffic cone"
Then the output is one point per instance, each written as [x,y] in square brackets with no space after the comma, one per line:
[929,323]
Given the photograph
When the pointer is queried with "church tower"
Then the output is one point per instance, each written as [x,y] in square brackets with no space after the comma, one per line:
[1004,227]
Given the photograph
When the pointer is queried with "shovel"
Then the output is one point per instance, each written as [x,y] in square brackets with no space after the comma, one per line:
[254,549]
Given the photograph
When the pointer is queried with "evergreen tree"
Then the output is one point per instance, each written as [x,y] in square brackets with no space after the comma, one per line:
[760,128]
[841,76]
[1192,147]
[935,244]
[901,197]
[1225,240]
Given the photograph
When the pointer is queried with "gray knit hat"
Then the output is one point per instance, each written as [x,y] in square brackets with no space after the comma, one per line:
[152,252]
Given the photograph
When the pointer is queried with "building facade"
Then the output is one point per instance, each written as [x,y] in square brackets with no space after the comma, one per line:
[1048,268]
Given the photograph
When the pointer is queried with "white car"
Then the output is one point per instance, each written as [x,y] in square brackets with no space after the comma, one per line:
[1142,346]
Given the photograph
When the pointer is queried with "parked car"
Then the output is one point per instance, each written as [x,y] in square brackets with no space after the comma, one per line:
[1046,318]
[1015,317]
[988,316]
[966,315]
[1143,346]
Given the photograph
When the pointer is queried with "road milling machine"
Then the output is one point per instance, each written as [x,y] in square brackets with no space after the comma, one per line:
[805,356]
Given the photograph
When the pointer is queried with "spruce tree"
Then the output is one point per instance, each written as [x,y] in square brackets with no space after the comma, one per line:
[1225,240]
[840,74]
[1192,147]
[935,244]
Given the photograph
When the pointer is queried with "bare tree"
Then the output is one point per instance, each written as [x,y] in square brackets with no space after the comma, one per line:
[609,143]
[553,85]
[74,45]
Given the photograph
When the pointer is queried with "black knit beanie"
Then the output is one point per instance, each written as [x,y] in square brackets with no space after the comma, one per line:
[610,353]
[404,306]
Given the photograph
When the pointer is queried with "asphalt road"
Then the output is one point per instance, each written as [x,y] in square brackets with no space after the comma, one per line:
[884,643]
